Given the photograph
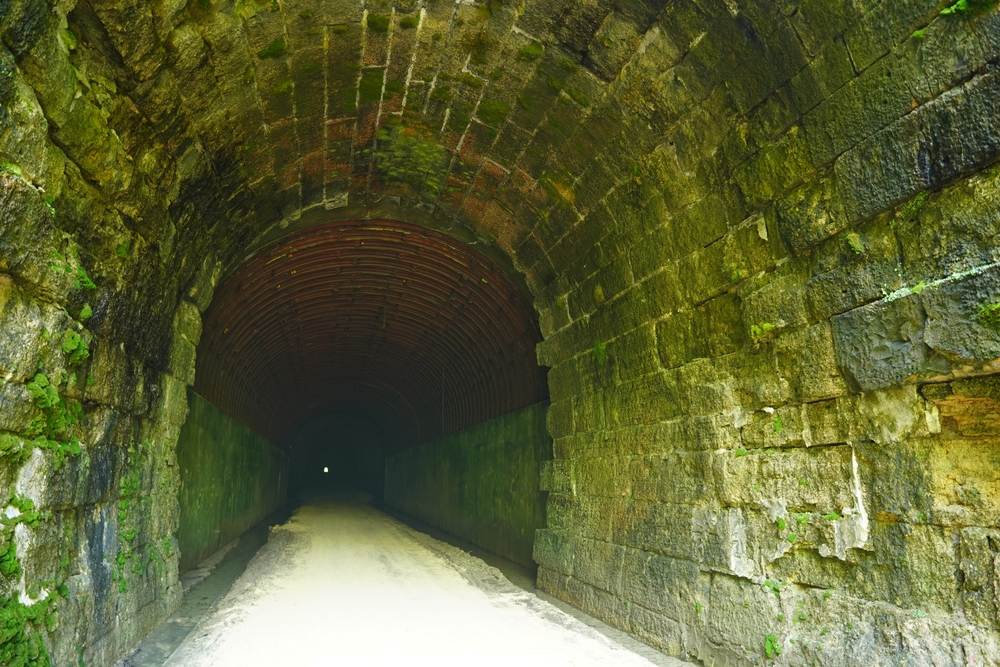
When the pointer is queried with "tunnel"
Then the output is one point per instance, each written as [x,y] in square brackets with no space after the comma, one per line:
[676,321]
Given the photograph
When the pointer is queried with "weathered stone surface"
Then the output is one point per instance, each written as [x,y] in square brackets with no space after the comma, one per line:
[921,331]
[749,229]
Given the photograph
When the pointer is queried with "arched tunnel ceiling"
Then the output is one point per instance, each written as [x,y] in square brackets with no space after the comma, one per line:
[294,103]
[378,313]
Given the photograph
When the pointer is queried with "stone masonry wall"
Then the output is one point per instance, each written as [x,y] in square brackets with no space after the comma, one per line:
[760,237]
[763,447]
[481,485]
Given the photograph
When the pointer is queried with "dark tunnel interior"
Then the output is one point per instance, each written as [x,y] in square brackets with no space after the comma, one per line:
[342,449]
[342,346]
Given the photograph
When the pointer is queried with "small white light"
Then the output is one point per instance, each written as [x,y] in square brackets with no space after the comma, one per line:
[325,469]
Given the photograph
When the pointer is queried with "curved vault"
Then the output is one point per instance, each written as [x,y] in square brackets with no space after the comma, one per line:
[382,313]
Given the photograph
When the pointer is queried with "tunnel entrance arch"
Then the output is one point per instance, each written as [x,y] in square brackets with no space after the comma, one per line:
[394,338]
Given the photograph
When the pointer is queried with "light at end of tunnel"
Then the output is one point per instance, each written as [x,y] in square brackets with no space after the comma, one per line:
[326,469]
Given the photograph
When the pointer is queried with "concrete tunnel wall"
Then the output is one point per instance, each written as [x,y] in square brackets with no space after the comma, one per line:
[760,238]
[482,484]
[231,480]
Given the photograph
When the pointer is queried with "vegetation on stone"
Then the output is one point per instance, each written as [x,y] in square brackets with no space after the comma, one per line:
[531,51]
[673,186]
[772,647]
[989,315]
[275,49]
[959,7]
[378,23]
[75,347]
[408,157]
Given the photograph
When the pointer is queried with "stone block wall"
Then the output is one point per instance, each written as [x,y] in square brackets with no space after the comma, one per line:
[231,479]
[765,445]
[760,236]
[482,484]
[88,471]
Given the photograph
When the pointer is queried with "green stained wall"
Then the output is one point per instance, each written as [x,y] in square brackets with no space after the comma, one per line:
[231,478]
[481,484]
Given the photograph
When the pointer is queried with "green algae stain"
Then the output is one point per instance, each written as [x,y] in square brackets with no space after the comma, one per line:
[530,52]
[406,156]
[493,112]
[989,315]
[377,23]
[275,49]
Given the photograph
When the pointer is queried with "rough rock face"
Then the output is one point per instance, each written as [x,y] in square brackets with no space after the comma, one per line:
[760,236]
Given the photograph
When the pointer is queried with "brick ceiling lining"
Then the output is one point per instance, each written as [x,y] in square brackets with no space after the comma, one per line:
[388,313]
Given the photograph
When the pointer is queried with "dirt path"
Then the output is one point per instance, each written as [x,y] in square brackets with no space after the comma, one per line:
[344,584]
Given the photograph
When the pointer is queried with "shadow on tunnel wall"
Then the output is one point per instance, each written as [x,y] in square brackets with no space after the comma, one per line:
[231,480]
[481,484]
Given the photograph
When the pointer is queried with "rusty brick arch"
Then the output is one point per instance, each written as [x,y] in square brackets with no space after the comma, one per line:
[383,311]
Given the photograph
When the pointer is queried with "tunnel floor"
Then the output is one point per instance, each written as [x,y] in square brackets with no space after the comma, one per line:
[343,583]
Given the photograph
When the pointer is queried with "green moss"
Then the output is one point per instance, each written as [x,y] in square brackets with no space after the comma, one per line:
[275,49]
[393,87]
[968,7]
[70,264]
[82,279]
[772,647]
[86,312]
[21,632]
[913,207]
[778,425]
[44,393]
[12,447]
[408,156]
[9,564]
[128,561]
[600,354]
[60,451]
[741,452]
[377,23]
[989,315]
[408,22]
[773,586]
[75,347]
[762,332]
[531,52]
[52,430]
[441,93]
[493,112]
[12,168]
[578,96]
[370,87]
[27,515]
[854,242]
[832,516]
